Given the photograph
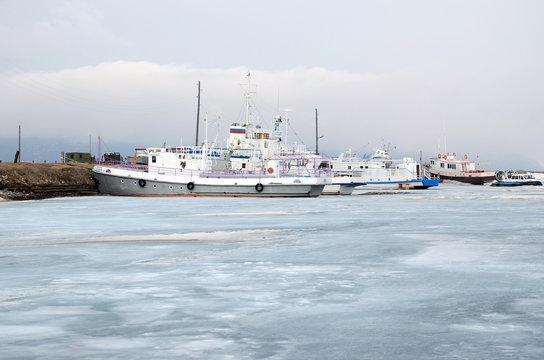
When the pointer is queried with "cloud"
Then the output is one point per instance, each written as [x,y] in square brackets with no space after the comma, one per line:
[54,34]
[146,104]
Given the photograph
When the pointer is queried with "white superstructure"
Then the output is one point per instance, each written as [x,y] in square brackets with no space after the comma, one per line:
[381,171]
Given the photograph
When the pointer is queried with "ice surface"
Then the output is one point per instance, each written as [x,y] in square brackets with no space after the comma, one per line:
[448,273]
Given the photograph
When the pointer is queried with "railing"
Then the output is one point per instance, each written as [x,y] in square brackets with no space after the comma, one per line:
[286,169]
[392,172]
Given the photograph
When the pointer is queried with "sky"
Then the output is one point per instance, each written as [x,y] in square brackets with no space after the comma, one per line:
[418,77]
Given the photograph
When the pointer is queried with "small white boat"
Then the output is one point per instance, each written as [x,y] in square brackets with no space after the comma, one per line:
[515,178]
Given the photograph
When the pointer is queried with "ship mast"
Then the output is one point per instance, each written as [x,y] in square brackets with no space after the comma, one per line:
[316,134]
[197,114]
[247,97]
[248,94]
[204,149]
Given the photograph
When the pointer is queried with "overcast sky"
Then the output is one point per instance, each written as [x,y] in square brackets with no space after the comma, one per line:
[403,73]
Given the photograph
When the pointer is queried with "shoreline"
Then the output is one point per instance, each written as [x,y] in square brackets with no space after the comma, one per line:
[36,181]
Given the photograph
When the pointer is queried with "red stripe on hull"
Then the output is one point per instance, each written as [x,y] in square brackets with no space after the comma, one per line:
[474,180]
[214,195]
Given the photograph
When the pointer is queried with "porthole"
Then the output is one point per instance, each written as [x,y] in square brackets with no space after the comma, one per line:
[170,187]
[154,185]
[135,183]
[181,187]
[122,180]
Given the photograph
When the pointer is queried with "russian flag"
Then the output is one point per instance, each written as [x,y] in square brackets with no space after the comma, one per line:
[237,131]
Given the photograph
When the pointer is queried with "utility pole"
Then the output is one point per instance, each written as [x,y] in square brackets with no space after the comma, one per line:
[197,114]
[18,153]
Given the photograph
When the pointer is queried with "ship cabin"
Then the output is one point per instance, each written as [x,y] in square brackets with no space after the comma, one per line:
[250,144]
[449,162]
[179,158]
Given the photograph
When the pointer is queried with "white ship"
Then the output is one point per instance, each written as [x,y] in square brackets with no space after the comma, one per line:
[381,171]
[252,164]
[189,172]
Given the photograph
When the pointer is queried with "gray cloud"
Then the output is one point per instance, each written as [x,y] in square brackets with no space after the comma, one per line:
[403,71]
[146,104]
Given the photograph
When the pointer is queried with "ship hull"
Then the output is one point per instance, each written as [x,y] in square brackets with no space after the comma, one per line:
[517,183]
[145,185]
[407,184]
[474,179]
[337,189]
[342,185]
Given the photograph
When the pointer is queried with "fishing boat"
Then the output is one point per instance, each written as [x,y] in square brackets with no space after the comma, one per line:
[515,178]
[448,167]
[381,171]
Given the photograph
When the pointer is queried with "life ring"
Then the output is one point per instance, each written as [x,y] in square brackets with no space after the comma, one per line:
[259,187]
[270,170]
[141,182]
[190,186]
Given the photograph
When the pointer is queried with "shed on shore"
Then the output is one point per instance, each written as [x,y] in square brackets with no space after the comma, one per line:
[82,157]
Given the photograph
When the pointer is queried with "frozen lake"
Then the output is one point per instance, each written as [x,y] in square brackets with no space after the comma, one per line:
[455,272]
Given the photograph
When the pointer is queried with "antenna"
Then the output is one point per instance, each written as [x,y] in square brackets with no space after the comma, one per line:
[287,111]
[278,104]
[316,134]
[248,94]
[206,121]
[444,134]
